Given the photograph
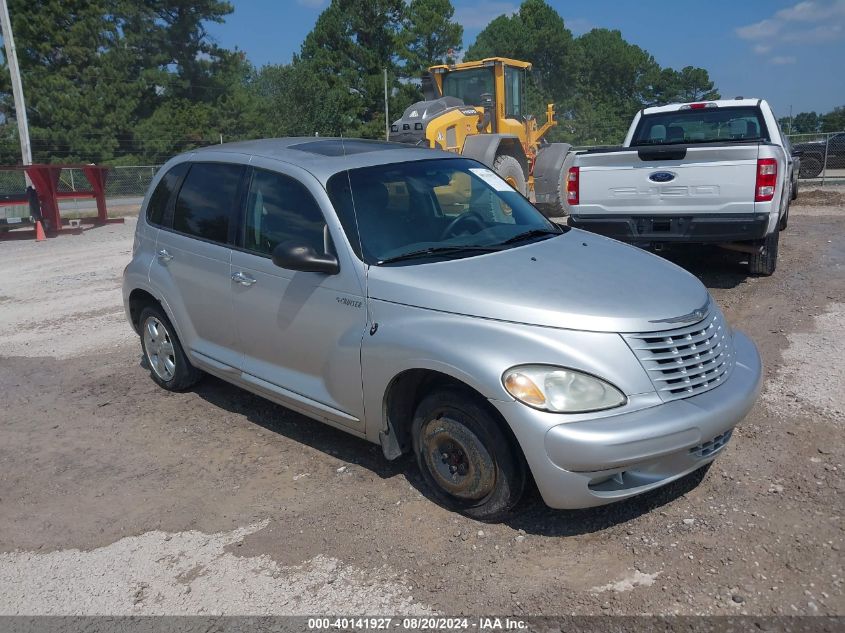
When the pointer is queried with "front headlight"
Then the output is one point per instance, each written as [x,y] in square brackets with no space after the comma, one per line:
[560,390]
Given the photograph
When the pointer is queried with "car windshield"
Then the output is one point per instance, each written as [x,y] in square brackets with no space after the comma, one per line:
[432,209]
[702,125]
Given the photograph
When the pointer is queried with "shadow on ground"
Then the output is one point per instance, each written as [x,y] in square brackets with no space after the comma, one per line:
[714,267]
[532,515]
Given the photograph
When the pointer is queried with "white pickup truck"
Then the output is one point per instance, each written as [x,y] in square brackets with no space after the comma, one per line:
[714,172]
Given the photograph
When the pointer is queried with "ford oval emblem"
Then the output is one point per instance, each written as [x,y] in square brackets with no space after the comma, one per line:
[662,176]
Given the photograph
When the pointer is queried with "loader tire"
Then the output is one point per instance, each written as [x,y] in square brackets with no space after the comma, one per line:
[558,208]
[510,170]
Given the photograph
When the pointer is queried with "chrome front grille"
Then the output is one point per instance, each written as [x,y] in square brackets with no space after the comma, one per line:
[686,361]
[712,446]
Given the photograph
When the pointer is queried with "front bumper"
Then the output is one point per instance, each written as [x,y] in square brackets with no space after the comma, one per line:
[702,229]
[594,462]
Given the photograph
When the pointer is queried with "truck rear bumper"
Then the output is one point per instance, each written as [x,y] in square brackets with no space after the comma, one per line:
[702,229]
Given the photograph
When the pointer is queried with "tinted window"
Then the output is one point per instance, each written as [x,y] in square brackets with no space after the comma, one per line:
[163,192]
[207,200]
[469,85]
[704,125]
[280,209]
[514,90]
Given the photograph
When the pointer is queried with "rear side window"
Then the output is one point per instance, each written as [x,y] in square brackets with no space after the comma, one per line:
[208,200]
[703,125]
[280,209]
[164,191]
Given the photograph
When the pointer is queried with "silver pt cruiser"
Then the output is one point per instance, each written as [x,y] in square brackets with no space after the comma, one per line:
[412,298]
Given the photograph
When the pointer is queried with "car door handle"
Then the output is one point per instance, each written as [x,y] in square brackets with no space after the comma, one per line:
[242,279]
[164,256]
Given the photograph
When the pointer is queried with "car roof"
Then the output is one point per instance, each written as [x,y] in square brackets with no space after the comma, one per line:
[322,156]
[719,103]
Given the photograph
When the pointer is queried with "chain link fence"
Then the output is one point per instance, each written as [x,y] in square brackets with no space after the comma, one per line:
[125,185]
[822,156]
[121,182]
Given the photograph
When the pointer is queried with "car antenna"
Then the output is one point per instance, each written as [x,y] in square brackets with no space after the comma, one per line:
[370,320]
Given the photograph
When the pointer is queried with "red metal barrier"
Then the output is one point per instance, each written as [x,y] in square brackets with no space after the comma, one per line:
[45,179]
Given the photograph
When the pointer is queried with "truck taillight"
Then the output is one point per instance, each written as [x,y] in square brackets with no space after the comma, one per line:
[572,185]
[767,178]
[698,106]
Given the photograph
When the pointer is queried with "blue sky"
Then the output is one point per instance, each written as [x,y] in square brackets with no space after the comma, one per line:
[790,53]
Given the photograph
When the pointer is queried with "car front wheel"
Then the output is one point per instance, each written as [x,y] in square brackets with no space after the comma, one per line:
[464,456]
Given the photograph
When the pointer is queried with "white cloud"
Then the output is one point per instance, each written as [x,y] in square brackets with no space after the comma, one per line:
[821,33]
[759,30]
[479,14]
[807,21]
[578,26]
[312,4]
[783,60]
[762,49]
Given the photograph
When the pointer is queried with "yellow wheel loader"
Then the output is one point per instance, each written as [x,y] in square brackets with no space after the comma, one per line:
[477,109]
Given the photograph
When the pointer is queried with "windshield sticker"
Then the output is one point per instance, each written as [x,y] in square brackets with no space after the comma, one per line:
[491,179]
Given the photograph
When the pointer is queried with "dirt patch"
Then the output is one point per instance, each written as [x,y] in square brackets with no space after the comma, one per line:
[65,293]
[830,197]
[812,379]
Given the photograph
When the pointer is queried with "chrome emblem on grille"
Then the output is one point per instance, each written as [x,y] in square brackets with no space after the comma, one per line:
[662,176]
[692,317]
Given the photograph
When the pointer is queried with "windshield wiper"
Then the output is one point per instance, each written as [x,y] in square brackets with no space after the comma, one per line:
[529,234]
[437,250]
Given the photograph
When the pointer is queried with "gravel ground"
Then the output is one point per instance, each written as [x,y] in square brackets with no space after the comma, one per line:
[119,498]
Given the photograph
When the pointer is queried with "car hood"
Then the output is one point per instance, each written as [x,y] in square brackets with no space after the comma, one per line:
[577,280]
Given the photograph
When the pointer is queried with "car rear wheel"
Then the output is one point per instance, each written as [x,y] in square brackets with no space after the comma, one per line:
[163,353]
[765,261]
[464,456]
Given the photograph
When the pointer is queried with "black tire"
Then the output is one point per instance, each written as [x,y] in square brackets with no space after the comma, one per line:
[465,457]
[509,169]
[784,221]
[558,208]
[811,167]
[168,365]
[765,262]
[795,190]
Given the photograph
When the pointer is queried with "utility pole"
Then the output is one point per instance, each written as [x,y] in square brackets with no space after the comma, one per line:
[386,112]
[17,88]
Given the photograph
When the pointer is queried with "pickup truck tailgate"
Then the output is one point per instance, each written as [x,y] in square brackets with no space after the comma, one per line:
[669,180]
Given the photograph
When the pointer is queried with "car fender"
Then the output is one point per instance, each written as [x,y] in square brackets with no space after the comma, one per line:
[477,351]
[132,283]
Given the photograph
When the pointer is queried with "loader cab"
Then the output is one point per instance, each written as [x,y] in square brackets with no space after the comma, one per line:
[496,84]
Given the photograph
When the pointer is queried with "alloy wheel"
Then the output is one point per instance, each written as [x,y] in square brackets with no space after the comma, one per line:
[159,349]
